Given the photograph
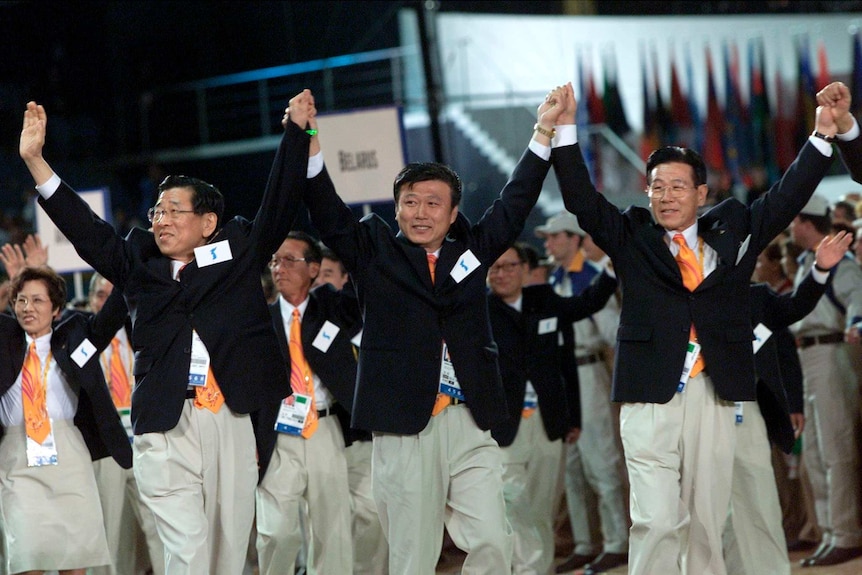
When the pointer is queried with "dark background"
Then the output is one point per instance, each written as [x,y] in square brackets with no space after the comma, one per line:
[88,63]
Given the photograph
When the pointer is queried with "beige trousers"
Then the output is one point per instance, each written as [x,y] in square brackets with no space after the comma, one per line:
[754,542]
[198,480]
[370,550]
[128,523]
[306,472]
[449,473]
[679,457]
[531,471]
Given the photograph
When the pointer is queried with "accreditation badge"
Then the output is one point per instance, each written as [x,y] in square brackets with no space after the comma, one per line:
[448,382]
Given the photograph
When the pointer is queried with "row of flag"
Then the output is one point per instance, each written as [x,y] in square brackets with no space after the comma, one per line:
[742,139]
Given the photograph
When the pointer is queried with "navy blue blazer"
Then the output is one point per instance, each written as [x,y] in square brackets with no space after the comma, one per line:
[529,342]
[658,310]
[779,375]
[96,417]
[223,302]
[407,318]
[851,154]
[336,367]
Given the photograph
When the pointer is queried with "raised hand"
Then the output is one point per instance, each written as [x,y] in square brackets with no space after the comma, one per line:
[832,249]
[36,253]
[33,140]
[12,258]
[836,97]
[551,107]
[33,132]
[300,109]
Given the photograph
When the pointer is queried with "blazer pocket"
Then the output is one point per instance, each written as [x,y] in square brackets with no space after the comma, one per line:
[634,333]
[739,333]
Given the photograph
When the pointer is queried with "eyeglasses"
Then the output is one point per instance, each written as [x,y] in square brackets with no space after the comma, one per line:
[158,214]
[672,190]
[285,262]
[22,301]
[507,267]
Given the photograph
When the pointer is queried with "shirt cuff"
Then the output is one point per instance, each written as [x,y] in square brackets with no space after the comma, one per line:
[540,150]
[819,276]
[567,135]
[315,165]
[850,134]
[822,146]
[47,189]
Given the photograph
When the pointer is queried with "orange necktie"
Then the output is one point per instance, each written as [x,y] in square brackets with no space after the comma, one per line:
[301,378]
[33,391]
[209,396]
[443,400]
[121,391]
[692,275]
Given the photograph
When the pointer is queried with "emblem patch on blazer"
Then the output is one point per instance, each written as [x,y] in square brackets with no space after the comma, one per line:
[467,262]
[213,254]
[84,352]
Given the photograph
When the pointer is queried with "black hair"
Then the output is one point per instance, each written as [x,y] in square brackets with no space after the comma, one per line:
[427,171]
[206,197]
[669,154]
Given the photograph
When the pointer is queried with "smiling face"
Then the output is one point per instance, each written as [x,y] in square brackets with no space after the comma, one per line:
[34,310]
[506,276]
[178,235]
[675,207]
[424,213]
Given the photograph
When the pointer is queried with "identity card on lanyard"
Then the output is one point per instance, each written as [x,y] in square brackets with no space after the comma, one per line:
[691,354]
[293,414]
[200,364]
[448,382]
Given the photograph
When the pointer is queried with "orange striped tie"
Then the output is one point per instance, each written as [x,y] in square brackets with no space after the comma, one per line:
[121,391]
[301,378]
[33,391]
[443,400]
[692,275]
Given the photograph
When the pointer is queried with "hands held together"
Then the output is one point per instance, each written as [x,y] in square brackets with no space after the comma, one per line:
[833,109]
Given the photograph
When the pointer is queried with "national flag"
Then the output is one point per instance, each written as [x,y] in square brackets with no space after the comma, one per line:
[805,93]
[680,111]
[698,136]
[582,119]
[736,142]
[786,119]
[762,128]
[823,76]
[649,137]
[615,116]
[713,150]
[664,123]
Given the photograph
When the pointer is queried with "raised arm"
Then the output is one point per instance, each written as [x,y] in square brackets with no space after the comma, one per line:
[783,310]
[32,141]
[836,96]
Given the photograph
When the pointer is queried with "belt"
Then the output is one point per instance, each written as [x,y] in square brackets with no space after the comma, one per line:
[809,340]
[456,401]
[191,393]
[324,412]
[589,359]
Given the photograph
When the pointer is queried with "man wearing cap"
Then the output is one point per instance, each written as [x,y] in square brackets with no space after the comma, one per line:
[684,351]
[594,487]
[830,444]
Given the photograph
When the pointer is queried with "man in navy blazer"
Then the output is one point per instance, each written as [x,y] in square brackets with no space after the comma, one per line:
[427,349]
[754,539]
[528,323]
[200,327]
[297,469]
[677,430]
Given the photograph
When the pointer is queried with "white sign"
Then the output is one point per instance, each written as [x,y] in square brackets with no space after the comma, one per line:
[364,151]
[61,254]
